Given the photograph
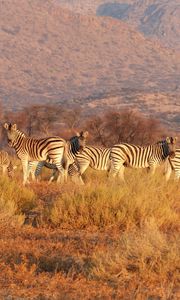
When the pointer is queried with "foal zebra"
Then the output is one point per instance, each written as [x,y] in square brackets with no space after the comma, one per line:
[127,155]
[6,164]
[30,149]
[95,157]
[173,164]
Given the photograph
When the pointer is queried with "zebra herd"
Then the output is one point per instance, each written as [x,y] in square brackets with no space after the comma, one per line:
[73,157]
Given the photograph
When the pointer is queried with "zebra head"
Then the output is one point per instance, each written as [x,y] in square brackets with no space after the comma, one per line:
[78,142]
[82,139]
[11,169]
[12,133]
[171,144]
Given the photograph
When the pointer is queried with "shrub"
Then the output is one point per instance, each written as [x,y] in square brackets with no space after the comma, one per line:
[15,199]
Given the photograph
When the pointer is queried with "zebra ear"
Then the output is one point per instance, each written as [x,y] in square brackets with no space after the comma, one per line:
[77,134]
[6,126]
[14,127]
[85,134]
[168,140]
[174,140]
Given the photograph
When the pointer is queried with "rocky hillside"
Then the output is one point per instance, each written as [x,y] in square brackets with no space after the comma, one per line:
[49,54]
[155,18]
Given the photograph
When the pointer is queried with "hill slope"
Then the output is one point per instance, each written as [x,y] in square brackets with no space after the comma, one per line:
[48,54]
[155,18]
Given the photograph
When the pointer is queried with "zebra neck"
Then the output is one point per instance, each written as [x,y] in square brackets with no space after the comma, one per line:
[19,139]
[74,148]
[164,149]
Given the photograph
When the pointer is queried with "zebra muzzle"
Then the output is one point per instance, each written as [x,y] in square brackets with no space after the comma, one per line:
[9,143]
[172,154]
[81,149]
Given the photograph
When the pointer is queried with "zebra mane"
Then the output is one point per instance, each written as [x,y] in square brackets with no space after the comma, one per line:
[21,133]
[161,142]
[73,142]
[17,130]
[72,138]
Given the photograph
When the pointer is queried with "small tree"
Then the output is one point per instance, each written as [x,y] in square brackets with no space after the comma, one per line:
[71,117]
[97,128]
[125,126]
[36,118]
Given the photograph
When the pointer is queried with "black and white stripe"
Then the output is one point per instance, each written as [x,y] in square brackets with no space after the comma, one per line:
[30,149]
[95,157]
[127,155]
[173,165]
[74,147]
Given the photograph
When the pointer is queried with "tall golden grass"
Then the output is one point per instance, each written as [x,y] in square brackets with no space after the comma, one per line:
[101,203]
[104,240]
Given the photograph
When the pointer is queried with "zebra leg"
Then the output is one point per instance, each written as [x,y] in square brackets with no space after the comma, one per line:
[168,172]
[25,171]
[115,170]
[34,169]
[4,170]
[152,168]
[38,169]
[53,175]
[61,172]
[61,163]
[61,177]
[121,173]
[31,170]
[177,174]
[167,169]
[75,171]
[81,181]
[77,179]
[66,173]
[81,169]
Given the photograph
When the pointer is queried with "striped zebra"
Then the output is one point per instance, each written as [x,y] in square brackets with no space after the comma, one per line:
[6,164]
[127,155]
[31,149]
[95,157]
[173,164]
[75,146]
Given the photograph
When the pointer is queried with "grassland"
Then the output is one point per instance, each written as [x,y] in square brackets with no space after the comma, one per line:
[104,240]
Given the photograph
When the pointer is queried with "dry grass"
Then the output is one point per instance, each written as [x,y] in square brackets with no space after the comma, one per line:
[101,241]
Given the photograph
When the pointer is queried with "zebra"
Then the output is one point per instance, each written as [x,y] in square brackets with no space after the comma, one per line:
[95,157]
[173,164]
[31,149]
[6,164]
[75,146]
[128,155]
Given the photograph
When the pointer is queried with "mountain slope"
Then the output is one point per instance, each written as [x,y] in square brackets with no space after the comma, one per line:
[155,18]
[48,53]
